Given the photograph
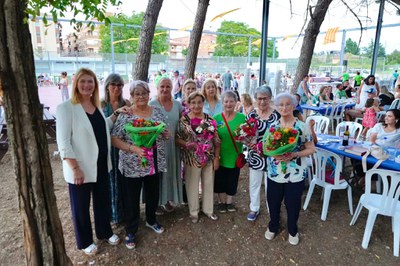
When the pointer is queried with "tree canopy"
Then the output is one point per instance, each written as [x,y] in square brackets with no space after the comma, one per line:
[351,47]
[369,50]
[126,39]
[394,57]
[228,45]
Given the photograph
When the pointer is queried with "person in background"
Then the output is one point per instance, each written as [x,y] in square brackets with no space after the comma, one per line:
[212,104]
[385,98]
[63,86]
[329,93]
[357,80]
[198,166]
[188,87]
[227,79]
[345,76]
[164,73]
[323,96]
[157,78]
[369,119]
[112,101]
[340,93]
[348,89]
[245,105]
[171,181]
[227,176]
[135,175]
[265,114]
[83,139]
[389,129]
[304,90]
[288,185]
[177,85]
[395,77]
[298,111]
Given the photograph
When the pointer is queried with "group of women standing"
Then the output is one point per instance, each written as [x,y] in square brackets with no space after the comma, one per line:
[199,132]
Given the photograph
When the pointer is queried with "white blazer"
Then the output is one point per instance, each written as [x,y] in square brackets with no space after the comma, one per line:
[76,140]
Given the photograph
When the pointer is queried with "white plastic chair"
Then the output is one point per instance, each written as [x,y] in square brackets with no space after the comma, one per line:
[387,204]
[321,123]
[334,114]
[319,178]
[395,104]
[353,128]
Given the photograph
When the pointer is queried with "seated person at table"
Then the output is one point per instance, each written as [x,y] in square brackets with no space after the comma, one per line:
[323,96]
[389,129]
[348,89]
[340,92]
[385,99]
[358,111]
[329,93]
[298,110]
[369,121]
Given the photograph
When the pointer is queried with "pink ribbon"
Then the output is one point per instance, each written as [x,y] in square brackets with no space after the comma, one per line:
[148,159]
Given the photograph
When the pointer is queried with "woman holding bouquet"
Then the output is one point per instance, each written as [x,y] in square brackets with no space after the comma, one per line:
[212,103]
[227,175]
[135,173]
[198,138]
[171,181]
[286,173]
[265,114]
[83,138]
[112,101]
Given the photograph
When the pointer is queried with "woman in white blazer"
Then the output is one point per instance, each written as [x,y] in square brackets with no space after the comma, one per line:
[83,138]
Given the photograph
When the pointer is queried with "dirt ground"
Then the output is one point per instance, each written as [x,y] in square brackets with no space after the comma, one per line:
[232,240]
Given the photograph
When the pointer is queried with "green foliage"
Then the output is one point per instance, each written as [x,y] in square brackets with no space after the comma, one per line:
[394,57]
[351,47]
[90,8]
[369,50]
[126,39]
[237,45]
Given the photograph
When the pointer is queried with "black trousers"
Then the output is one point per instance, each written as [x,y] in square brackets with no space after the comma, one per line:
[291,193]
[131,197]
[80,204]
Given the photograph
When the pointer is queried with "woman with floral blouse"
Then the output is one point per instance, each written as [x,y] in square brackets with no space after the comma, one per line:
[198,138]
[286,181]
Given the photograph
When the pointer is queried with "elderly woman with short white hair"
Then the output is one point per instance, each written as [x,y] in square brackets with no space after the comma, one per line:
[286,181]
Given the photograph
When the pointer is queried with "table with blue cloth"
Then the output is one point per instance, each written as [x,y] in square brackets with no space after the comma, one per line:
[332,143]
[324,108]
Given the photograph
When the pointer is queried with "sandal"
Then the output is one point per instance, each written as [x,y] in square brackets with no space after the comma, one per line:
[130,241]
[113,240]
[90,250]
[195,219]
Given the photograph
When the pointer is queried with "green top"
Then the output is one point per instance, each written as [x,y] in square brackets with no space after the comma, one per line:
[345,77]
[157,80]
[228,154]
[341,94]
[357,80]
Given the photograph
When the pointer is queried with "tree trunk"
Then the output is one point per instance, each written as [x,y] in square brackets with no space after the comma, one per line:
[43,236]
[195,37]
[146,38]
[310,37]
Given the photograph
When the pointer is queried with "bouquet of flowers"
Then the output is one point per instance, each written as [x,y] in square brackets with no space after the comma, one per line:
[205,132]
[143,134]
[247,133]
[279,141]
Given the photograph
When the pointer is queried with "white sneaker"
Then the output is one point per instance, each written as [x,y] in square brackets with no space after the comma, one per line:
[294,240]
[269,235]
[113,240]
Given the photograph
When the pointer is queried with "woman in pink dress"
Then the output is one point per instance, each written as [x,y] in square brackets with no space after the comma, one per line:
[369,120]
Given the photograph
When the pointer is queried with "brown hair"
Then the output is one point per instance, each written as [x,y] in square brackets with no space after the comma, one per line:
[194,95]
[76,96]
[247,99]
[206,83]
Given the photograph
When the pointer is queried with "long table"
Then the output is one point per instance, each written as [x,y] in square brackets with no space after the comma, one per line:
[325,108]
[332,143]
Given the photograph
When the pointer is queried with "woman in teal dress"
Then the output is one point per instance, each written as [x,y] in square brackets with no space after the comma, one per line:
[171,181]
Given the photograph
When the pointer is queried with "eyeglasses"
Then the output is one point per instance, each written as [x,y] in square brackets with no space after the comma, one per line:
[119,85]
[265,99]
[142,95]
[285,106]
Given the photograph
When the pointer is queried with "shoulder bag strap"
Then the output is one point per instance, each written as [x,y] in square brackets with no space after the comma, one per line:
[230,133]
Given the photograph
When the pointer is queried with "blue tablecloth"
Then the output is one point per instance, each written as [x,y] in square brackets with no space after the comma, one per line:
[324,108]
[332,143]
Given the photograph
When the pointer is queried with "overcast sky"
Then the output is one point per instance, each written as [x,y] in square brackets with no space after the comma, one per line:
[180,13]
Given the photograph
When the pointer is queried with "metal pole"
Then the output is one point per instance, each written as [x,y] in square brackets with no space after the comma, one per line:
[273,51]
[249,52]
[264,41]
[343,47]
[112,48]
[377,37]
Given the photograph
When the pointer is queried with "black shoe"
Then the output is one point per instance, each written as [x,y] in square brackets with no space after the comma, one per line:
[222,208]
[231,207]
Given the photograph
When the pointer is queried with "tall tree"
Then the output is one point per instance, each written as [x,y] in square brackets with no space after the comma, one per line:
[230,45]
[126,39]
[351,47]
[141,69]
[394,57]
[43,237]
[369,50]
[317,16]
[195,37]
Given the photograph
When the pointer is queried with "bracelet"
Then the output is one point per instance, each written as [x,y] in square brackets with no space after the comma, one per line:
[116,113]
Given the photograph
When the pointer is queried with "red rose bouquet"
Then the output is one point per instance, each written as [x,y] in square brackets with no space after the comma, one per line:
[143,134]
[247,133]
[279,141]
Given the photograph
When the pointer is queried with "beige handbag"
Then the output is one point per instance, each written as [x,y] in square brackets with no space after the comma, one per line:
[376,151]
